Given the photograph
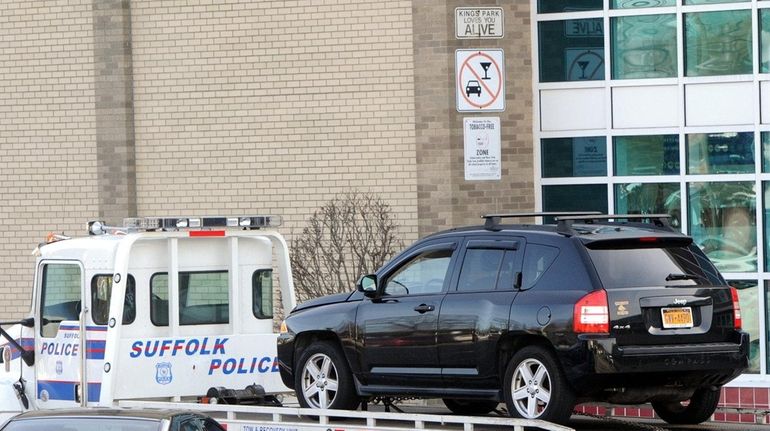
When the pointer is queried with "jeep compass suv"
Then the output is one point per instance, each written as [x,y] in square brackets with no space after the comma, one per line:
[540,317]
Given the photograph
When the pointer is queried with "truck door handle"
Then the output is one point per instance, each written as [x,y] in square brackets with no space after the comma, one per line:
[424,308]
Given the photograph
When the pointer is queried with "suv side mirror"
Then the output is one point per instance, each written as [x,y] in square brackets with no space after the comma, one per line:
[368,285]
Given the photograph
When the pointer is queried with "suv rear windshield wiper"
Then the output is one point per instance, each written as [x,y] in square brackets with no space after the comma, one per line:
[687,276]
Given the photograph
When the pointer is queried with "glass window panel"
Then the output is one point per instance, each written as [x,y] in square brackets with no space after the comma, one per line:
[537,259]
[480,270]
[578,197]
[574,157]
[622,270]
[423,275]
[722,221]
[764,40]
[767,322]
[549,6]
[647,155]
[60,296]
[765,138]
[632,4]
[571,50]
[638,198]
[766,221]
[262,294]
[101,292]
[203,298]
[748,297]
[718,43]
[159,299]
[644,47]
[720,153]
[713,1]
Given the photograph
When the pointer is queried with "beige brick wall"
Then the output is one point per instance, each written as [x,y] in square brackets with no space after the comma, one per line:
[446,199]
[47,143]
[273,106]
[244,106]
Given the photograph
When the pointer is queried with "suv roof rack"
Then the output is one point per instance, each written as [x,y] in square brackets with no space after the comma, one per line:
[493,220]
[657,221]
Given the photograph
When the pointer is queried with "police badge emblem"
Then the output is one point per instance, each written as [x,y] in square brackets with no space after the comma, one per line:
[59,368]
[163,373]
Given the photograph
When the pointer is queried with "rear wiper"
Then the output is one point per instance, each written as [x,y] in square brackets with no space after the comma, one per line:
[673,277]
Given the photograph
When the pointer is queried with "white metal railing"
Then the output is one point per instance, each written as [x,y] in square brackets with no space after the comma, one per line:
[256,418]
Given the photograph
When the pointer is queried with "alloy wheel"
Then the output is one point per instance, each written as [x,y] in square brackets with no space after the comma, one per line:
[320,381]
[531,388]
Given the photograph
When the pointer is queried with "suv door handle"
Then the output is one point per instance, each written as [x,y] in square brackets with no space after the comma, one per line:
[424,308]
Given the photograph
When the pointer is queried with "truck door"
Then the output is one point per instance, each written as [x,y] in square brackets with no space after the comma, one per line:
[59,343]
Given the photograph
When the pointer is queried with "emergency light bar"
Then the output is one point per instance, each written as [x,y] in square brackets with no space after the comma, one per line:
[176,223]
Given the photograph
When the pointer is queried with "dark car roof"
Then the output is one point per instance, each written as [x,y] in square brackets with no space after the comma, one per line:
[154,414]
[583,231]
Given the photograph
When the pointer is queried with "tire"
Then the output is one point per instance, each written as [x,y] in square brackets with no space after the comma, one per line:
[470,407]
[323,379]
[701,406]
[535,387]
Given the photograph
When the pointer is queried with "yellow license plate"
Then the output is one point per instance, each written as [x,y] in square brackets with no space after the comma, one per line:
[679,317]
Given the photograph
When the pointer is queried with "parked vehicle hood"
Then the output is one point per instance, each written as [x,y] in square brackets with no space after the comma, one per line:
[324,300]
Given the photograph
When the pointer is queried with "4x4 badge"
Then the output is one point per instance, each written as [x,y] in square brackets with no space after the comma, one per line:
[621,308]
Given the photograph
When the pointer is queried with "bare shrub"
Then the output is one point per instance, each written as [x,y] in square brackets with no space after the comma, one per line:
[352,235]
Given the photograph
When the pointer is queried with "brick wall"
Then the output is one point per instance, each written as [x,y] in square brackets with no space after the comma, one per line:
[47,138]
[273,106]
[244,107]
[445,197]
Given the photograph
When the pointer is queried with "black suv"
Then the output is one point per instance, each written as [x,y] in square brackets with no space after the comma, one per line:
[619,308]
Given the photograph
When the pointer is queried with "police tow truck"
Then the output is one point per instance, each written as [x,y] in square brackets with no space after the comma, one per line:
[170,312]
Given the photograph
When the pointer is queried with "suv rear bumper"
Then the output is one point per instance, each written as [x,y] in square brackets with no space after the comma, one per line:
[690,365]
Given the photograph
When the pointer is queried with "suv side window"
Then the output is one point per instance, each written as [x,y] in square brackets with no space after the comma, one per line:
[537,259]
[423,274]
[486,269]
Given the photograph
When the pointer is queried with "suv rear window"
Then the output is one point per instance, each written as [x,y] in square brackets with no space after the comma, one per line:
[640,267]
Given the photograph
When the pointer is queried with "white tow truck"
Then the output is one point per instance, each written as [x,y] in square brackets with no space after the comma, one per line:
[171,312]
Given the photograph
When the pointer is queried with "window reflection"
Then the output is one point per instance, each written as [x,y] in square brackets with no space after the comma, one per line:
[579,197]
[748,296]
[647,155]
[571,50]
[723,223]
[765,138]
[574,157]
[713,1]
[633,4]
[718,43]
[764,40]
[644,46]
[638,198]
[549,6]
[720,153]
[767,321]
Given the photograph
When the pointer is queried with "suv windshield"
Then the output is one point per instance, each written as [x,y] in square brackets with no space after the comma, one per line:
[640,267]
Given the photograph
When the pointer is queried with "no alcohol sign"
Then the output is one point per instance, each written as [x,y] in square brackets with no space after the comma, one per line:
[480,80]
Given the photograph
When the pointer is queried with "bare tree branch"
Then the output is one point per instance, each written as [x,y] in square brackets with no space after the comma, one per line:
[352,235]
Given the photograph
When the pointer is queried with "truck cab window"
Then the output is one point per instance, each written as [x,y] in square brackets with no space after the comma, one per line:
[262,294]
[203,298]
[101,291]
[60,298]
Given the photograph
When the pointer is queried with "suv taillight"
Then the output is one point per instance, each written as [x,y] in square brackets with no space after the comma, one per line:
[736,309]
[591,314]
